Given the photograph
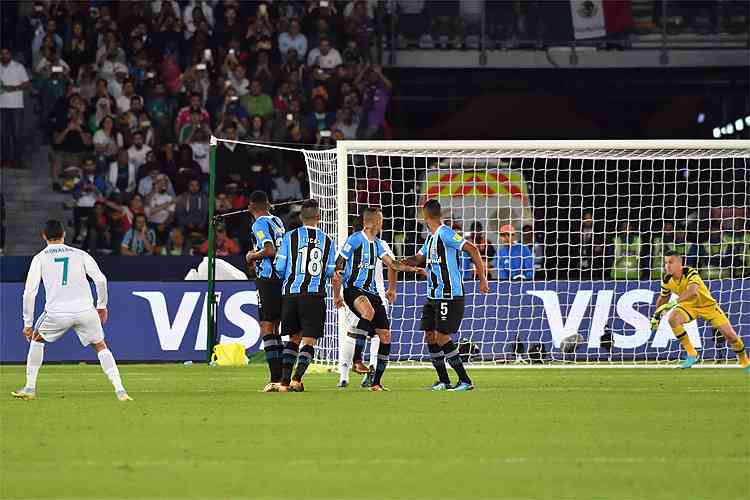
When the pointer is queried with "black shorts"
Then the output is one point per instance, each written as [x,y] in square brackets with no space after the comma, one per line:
[443,316]
[304,314]
[379,320]
[269,299]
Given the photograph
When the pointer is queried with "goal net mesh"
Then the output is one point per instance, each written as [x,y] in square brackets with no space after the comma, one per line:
[596,222]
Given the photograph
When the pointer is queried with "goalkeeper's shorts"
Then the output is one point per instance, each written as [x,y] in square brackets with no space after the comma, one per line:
[712,314]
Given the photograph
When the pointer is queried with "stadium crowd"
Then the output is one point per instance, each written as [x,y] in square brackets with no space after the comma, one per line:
[130,93]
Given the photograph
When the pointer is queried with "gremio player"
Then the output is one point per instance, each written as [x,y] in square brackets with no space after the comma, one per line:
[694,300]
[444,309]
[269,233]
[355,271]
[69,304]
[305,262]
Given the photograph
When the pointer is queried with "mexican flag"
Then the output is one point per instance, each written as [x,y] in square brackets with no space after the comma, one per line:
[598,18]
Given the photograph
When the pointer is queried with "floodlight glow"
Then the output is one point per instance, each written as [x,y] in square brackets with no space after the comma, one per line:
[701,117]
[717,133]
[730,129]
[739,125]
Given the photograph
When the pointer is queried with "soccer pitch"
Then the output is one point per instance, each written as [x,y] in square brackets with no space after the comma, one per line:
[198,432]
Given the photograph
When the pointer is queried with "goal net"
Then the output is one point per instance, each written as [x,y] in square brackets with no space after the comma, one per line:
[596,218]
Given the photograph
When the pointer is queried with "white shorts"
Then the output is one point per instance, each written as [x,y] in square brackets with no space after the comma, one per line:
[87,326]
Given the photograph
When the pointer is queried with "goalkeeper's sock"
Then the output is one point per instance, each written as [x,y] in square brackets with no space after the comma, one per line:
[384,351]
[109,367]
[453,358]
[34,360]
[303,361]
[374,351]
[273,346]
[738,346]
[288,359]
[359,346]
[684,339]
[347,355]
[438,361]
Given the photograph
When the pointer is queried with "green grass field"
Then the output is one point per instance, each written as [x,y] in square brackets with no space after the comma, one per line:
[198,432]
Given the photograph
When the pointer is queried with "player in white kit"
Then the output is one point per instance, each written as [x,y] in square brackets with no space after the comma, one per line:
[69,304]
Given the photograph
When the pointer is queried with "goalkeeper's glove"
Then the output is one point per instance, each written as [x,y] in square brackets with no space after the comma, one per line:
[656,318]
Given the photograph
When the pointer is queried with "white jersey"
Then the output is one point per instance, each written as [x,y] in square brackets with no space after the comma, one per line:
[63,270]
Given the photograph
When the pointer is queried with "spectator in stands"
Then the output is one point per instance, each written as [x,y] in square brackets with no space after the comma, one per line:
[319,119]
[286,186]
[587,248]
[160,208]
[232,158]
[376,91]
[176,244]
[139,239]
[99,238]
[486,250]
[71,141]
[191,209]
[189,129]
[201,149]
[714,255]
[50,34]
[138,152]
[78,51]
[256,102]
[161,108]
[223,244]
[181,166]
[13,81]
[232,110]
[536,244]
[128,92]
[293,39]
[122,174]
[264,73]
[258,131]
[183,116]
[52,78]
[627,253]
[86,192]
[324,57]
[107,142]
[514,260]
[347,124]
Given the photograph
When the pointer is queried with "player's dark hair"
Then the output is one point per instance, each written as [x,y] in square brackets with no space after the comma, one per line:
[432,209]
[53,229]
[369,212]
[310,210]
[259,199]
[672,253]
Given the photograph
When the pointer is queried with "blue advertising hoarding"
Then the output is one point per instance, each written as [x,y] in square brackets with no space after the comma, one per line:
[160,321]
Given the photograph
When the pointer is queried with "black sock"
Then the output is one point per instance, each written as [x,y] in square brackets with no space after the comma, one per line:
[384,352]
[438,361]
[454,359]
[274,348]
[359,346]
[287,362]
[305,358]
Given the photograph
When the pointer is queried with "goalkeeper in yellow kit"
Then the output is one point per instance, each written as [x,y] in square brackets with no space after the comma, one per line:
[694,301]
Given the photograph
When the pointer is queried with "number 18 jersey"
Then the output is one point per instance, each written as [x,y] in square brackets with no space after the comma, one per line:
[305,261]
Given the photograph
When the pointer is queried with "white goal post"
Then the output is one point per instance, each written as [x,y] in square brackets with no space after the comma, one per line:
[597,217]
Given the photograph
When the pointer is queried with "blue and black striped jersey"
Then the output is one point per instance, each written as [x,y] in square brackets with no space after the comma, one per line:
[305,261]
[442,252]
[267,228]
[361,255]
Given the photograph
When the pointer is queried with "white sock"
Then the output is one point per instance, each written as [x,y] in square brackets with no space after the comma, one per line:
[33,362]
[346,355]
[374,346]
[109,367]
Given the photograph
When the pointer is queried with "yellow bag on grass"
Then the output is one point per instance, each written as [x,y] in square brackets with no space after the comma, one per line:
[229,355]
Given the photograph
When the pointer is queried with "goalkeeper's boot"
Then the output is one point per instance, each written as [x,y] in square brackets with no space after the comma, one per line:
[343,384]
[689,361]
[360,368]
[25,394]
[296,386]
[440,386]
[379,388]
[367,380]
[461,387]
[123,396]
[271,387]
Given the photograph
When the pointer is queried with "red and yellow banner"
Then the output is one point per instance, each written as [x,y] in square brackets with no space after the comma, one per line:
[480,184]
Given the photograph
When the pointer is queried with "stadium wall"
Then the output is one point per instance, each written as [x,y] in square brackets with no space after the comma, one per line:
[159,321]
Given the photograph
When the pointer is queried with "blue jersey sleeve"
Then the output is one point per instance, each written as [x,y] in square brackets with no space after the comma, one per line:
[380,248]
[451,238]
[352,243]
[261,232]
[425,248]
[282,256]
[331,264]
